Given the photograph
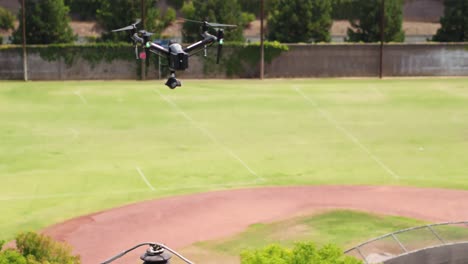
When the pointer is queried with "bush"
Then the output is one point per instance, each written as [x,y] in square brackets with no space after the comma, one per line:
[43,249]
[302,253]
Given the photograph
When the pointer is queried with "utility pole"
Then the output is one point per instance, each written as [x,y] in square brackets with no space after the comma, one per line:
[382,35]
[262,44]
[143,62]
[25,59]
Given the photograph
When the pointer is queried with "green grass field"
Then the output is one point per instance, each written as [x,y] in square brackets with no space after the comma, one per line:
[71,148]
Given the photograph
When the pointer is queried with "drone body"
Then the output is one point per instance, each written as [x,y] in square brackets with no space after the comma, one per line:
[176,55]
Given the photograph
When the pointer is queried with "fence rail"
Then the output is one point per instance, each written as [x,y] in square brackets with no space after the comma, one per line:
[404,241]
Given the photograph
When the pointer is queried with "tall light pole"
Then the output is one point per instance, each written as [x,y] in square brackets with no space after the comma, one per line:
[382,35]
[25,60]
[262,48]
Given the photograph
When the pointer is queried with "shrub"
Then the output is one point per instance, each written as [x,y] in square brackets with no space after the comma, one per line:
[302,253]
[43,249]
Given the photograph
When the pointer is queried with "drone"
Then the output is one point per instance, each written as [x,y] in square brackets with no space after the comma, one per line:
[176,55]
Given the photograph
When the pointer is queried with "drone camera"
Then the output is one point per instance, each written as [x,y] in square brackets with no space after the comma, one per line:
[179,61]
[172,83]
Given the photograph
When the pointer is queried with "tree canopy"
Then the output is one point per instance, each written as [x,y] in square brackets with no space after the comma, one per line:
[366,27]
[300,21]
[6,19]
[33,248]
[219,11]
[454,23]
[47,23]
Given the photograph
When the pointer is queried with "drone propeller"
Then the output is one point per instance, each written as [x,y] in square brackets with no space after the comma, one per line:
[131,27]
[213,25]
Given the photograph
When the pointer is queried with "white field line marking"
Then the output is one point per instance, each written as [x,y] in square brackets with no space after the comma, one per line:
[354,139]
[144,178]
[78,93]
[210,135]
[71,195]
[74,132]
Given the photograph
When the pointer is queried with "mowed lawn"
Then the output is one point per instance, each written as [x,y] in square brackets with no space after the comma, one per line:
[72,148]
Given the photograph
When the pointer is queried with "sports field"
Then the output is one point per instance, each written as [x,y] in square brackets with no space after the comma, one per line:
[72,148]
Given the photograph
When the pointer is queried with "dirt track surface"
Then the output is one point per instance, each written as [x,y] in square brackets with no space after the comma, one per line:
[183,220]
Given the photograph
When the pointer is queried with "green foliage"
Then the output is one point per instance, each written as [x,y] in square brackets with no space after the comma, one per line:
[169,17]
[238,57]
[344,9]
[33,248]
[454,23]
[219,11]
[292,21]
[115,14]
[43,249]
[366,26]
[6,19]
[92,53]
[47,23]
[85,9]
[11,256]
[302,253]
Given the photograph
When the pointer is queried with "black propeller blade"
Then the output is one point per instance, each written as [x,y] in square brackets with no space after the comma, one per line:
[213,25]
[131,27]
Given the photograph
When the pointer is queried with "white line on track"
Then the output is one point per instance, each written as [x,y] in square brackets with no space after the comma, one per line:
[210,135]
[144,178]
[78,93]
[354,139]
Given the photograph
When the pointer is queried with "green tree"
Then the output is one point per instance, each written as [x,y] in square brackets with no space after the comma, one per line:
[300,21]
[47,22]
[454,23]
[219,11]
[366,26]
[176,3]
[6,19]
[344,9]
[302,253]
[85,9]
[115,14]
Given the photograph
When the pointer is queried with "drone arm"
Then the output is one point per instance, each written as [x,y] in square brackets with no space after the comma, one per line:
[136,39]
[157,49]
[207,40]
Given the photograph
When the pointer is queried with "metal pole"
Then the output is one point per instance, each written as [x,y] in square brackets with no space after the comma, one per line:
[25,59]
[382,22]
[143,62]
[262,44]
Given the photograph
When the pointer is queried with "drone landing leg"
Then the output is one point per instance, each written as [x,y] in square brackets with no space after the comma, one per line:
[172,82]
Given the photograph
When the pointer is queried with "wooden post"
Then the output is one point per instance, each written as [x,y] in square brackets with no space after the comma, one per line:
[25,58]
[262,48]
